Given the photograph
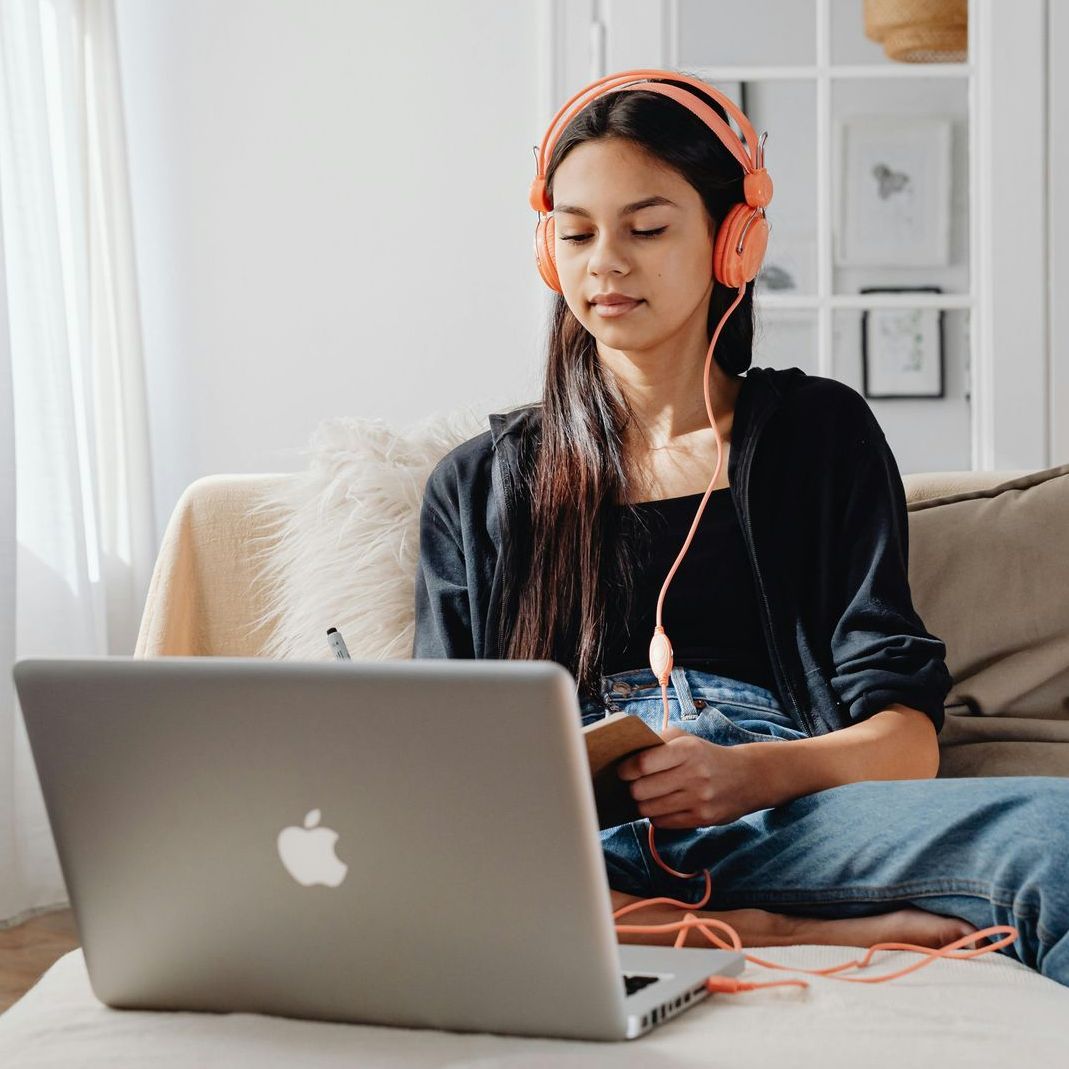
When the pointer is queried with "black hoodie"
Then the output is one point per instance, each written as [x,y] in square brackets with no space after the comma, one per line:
[823,513]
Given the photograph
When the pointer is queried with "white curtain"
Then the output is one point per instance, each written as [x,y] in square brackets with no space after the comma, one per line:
[77,532]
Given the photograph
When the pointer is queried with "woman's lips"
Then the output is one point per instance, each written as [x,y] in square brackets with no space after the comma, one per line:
[609,311]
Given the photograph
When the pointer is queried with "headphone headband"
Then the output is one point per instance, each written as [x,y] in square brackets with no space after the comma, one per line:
[749,152]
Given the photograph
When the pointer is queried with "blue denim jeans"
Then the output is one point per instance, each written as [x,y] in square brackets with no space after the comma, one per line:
[990,850]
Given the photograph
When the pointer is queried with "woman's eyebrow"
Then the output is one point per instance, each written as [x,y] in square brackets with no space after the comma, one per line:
[627,209]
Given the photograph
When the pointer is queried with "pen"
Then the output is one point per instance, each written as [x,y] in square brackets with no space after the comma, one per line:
[337,644]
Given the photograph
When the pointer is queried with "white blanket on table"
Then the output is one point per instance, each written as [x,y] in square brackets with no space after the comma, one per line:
[988,1011]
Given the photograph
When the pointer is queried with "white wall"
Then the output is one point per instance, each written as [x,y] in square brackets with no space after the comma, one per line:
[290,190]
[298,170]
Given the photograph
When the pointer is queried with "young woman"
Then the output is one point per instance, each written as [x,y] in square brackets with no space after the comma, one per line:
[550,535]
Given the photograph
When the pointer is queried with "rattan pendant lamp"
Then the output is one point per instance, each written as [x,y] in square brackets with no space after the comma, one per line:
[919,31]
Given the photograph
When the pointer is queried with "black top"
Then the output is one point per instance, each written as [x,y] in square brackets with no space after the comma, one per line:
[710,612]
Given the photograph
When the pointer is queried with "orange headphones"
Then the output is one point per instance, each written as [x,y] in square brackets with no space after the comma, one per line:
[738,250]
[741,238]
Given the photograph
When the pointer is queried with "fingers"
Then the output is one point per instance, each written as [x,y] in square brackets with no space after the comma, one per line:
[673,802]
[655,759]
[660,784]
[963,928]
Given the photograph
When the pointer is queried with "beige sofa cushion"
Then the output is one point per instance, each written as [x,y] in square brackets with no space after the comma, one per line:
[989,570]
[204,599]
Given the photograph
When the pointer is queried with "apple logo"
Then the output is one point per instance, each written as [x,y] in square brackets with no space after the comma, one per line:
[308,853]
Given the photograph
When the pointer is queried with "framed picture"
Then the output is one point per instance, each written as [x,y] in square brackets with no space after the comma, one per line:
[902,348]
[894,202]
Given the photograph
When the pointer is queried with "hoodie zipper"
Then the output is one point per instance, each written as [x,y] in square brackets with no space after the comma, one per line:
[506,484]
[766,616]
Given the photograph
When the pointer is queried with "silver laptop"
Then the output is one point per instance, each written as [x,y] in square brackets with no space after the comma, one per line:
[407,843]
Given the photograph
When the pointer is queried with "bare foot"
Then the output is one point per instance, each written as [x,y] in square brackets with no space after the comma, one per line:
[909,925]
[756,927]
[762,928]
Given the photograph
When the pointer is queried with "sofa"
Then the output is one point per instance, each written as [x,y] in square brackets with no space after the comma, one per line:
[260,565]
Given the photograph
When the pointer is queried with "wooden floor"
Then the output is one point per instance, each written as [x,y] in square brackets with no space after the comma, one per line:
[27,950]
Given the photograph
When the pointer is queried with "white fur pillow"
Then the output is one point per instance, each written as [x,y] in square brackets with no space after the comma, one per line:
[343,541]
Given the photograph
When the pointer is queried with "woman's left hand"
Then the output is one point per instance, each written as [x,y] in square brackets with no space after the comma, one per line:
[690,782]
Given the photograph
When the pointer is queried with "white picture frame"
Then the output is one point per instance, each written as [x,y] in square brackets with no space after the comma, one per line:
[894,190]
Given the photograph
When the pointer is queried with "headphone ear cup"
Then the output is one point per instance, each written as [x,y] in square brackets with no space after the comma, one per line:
[543,248]
[731,267]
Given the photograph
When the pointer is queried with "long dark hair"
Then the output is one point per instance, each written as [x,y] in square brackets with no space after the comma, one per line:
[557,577]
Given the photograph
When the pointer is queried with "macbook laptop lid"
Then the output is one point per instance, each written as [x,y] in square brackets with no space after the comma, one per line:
[410,843]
